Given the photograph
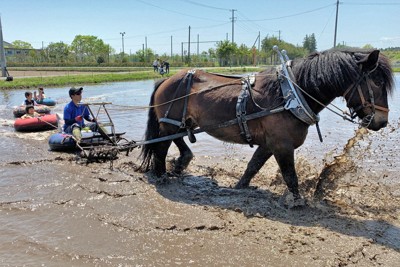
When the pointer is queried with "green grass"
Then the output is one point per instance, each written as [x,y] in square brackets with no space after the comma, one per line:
[82,69]
[83,79]
[80,79]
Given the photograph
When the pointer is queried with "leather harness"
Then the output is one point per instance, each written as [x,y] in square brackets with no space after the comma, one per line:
[294,102]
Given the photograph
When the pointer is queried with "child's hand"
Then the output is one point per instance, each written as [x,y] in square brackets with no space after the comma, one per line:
[78,118]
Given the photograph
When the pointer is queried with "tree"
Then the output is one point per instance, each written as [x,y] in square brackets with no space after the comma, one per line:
[58,52]
[89,48]
[225,51]
[21,44]
[309,43]
[368,46]
[293,51]
[146,55]
[244,54]
[212,53]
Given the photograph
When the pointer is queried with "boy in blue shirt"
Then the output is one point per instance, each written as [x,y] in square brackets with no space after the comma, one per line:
[75,113]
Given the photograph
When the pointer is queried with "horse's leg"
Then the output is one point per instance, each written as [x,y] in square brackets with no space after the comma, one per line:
[285,159]
[160,154]
[185,157]
[260,156]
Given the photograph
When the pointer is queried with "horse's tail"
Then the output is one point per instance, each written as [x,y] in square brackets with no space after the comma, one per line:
[152,132]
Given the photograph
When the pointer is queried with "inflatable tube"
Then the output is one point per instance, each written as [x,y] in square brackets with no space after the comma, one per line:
[42,123]
[41,109]
[61,142]
[65,142]
[47,101]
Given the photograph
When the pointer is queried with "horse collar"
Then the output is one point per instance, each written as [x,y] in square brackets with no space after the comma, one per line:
[294,100]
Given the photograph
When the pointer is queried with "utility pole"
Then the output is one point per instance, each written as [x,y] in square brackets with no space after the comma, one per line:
[2,54]
[123,51]
[145,46]
[233,23]
[171,46]
[198,45]
[189,48]
[337,12]
[182,52]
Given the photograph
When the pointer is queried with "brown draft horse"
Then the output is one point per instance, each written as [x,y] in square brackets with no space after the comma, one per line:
[363,78]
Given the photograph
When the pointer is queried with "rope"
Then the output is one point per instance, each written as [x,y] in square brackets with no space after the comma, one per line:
[52,125]
[178,98]
[129,107]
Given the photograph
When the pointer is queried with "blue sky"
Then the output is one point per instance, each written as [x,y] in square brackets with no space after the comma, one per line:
[40,22]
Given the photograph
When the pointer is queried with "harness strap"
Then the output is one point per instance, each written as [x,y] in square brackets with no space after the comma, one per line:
[382,108]
[364,103]
[241,113]
[361,94]
[171,121]
[251,116]
[180,124]
[188,88]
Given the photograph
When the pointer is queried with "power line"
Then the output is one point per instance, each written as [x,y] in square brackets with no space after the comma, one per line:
[296,14]
[203,5]
[371,4]
[246,20]
[176,12]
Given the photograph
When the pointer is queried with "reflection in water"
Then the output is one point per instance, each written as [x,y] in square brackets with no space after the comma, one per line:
[5,96]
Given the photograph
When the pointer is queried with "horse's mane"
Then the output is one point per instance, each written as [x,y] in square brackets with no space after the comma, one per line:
[337,69]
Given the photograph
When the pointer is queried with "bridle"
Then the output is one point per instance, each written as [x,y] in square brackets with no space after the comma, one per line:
[366,120]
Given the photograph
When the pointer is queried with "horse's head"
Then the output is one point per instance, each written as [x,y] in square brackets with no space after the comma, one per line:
[367,98]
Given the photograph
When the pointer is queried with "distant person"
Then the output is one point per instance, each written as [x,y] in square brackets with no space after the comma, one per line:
[30,113]
[161,69]
[40,96]
[166,64]
[155,65]
[28,100]
[75,113]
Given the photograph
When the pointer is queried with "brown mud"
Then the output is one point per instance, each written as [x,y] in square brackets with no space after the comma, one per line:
[56,210]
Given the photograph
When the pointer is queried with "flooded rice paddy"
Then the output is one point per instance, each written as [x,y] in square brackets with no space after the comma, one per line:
[56,211]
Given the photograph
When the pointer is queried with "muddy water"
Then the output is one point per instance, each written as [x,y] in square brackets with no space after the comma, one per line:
[58,211]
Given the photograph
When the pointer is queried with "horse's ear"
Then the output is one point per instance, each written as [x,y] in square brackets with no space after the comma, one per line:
[369,62]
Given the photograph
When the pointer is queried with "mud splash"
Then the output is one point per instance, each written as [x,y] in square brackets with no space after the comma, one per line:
[342,165]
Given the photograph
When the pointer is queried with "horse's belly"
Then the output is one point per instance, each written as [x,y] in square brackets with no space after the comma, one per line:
[227,135]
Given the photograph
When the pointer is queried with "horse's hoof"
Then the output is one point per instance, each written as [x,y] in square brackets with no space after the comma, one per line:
[163,179]
[240,185]
[291,201]
[174,173]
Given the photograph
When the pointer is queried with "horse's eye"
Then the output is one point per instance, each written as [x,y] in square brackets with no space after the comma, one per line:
[378,84]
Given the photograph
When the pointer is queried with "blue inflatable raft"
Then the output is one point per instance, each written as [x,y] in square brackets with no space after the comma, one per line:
[47,101]
[66,142]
